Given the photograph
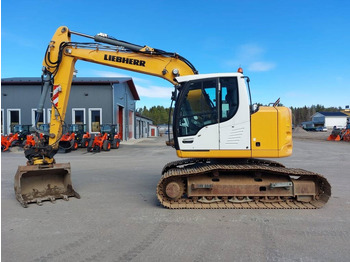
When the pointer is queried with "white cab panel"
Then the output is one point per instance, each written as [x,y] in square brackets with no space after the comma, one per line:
[206,139]
[235,132]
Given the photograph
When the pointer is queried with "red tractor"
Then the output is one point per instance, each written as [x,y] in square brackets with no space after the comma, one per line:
[16,138]
[340,134]
[42,135]
[8,141]
[108,138]
[75,137]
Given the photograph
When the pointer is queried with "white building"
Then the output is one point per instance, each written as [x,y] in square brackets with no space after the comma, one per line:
[143,126]
[330,119]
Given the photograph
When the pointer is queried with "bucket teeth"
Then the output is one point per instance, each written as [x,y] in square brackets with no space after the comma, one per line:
[65,197]
[53,200]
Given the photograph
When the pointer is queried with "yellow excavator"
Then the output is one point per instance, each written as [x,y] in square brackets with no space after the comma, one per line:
[221,136]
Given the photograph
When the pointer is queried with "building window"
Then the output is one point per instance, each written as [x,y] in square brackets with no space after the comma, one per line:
[95,117]
[78,116]
[2,121]
[49,115]
[13,118]
[41,119]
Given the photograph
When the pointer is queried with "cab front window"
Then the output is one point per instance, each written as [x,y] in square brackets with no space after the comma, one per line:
[198,107]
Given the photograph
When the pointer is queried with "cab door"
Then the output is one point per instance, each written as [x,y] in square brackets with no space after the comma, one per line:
[234,114]
[196,116]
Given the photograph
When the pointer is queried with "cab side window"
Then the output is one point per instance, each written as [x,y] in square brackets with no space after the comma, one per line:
[229,97]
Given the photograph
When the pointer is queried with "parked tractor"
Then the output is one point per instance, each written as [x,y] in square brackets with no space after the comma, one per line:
[77,136]
[16,137]
[34,136]
[340,134]
[108,138]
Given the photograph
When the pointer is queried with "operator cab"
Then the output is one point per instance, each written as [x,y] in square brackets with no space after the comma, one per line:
[212,112]
[20,128]
[110,129]
[77,128]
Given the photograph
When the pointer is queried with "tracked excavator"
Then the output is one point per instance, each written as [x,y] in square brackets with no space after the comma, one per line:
[222,137]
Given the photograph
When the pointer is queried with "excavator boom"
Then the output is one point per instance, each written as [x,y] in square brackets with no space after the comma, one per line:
[62,54]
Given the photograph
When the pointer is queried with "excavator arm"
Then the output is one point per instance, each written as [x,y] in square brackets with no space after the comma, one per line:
[62,54]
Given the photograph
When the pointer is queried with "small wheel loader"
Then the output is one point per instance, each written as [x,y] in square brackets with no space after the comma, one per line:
[34,137]
[16,138]
[108,138]
[75,137]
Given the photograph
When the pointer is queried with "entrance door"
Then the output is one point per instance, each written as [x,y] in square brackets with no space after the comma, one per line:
[131,124]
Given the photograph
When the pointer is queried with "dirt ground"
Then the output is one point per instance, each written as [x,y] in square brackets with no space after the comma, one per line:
[300,133]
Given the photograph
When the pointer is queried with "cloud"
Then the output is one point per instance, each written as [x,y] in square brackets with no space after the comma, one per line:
[144,87]
[261,66]
[339,79]
[154,91]
[251,57]
[250,52]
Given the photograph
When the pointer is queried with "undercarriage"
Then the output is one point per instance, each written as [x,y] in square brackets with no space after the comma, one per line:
[240,183]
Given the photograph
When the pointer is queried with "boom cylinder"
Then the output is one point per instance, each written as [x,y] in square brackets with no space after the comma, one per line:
[105,39]
[115,42]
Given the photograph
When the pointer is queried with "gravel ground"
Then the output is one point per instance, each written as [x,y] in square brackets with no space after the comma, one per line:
[118,217]
[302,134]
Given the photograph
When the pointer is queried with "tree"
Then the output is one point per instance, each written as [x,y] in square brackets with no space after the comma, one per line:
[303,114]
[158,114]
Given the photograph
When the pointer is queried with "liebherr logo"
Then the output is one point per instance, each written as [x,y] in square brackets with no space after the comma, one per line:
[130,61]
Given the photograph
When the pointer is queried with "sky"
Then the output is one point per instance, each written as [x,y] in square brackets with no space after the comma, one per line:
[295,50]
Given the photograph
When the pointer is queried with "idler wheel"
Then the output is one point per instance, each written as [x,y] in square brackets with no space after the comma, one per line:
[174,189]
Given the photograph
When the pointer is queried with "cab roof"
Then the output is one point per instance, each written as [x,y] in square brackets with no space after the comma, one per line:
[187,78]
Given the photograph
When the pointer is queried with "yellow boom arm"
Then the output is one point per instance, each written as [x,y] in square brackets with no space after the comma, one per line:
[62,54]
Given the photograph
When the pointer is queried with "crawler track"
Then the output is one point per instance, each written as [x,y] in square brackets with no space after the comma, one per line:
[193,168]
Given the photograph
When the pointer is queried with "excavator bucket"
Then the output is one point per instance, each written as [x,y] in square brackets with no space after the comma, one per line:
[346,136]
[333,137]
[37,183]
